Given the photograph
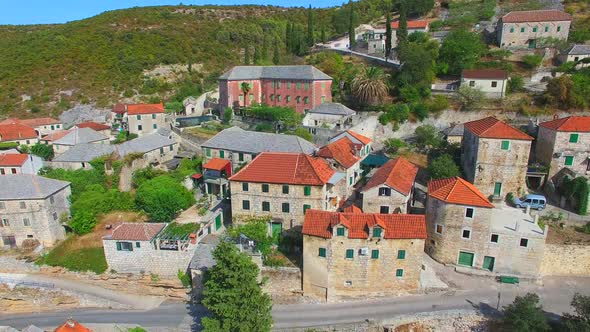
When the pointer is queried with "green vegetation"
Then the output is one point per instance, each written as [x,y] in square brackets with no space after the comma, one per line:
[255,229]
[162,198]
[393,145]
[460,50]
[233,295]
[515,84]
[79,179]
[124,136]
[301,132]
[525,314]
[470,98]
[184,279]
[176,230]
[427,137]
[369,87]
[8,145]
[466,13]
[580,319]
[443,167]
[532,61]
[43,150]
[568,92]
[419,56]
[286,115]
[84,259]
[578,190]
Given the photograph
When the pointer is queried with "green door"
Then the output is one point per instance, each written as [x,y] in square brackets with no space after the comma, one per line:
[532,43]
[218,222]
[209,230]
[277,229]
[497,189]
[488,263]
[466,258]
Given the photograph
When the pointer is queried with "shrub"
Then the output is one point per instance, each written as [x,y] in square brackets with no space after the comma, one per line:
[443,167]
[301,132]
[8,145]
[427,137]
[420,111]
[436,25]
[43,150]
[393,145]
[515,84]
[162,198]
[227,115]
[471,99]
[83,222]
[532,60]
[265,127]
[525,314]
[255,229]
[184,279]
[438,104]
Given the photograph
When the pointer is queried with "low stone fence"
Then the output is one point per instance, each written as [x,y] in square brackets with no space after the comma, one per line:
[282,281]
[566,260]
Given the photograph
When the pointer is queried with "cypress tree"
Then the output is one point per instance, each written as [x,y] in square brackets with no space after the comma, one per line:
[402,30]
[351,39]
[256,56]
[288,37]
[276,57]
[323,34]
[387,35]
[246,55]
[310,39]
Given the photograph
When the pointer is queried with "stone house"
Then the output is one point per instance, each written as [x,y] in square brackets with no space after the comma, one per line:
[77,136]
[284,186]
[465,229]
[299,87]
[190,107]
[412,26]
[15,163]
[564,143]
[454,134]
[241,146]
[102,128]
[495,156]
[18,133]
[524,29]
[492,82]
[390,189]
[30,209]
[576,53]
[143,119]
[43,126]
[360,255]
[329,115]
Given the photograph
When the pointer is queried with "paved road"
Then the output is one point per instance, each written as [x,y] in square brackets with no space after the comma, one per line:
[556,296]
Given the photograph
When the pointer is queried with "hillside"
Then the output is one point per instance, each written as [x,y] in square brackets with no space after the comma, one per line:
[127,54]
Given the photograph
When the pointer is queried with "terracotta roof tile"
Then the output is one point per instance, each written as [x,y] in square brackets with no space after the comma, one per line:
[457,191]
[536,16]
[491,127]
[54,136]
[16,131]
[398,174]
[344,151]
[396,226]
[217,164]
[570,123]
[285,168]
[39,122]
[418,24]
[363,139]
[12,159]
[72,326]
[352,209]
[136,231]
[135,109]
[492,74]
[93,125]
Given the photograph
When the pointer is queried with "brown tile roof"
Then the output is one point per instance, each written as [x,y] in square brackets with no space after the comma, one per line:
[16,131]
[536,16]
[135,109]
[217,164]
[363,139]
[344,151]
[418,24]
[13,159]
[136,231]
[396,226]
[54,136]
[457,191]
[119,108]
[285,168]
[93,125]
[398,174]
[492,74]
[39,122]
[72,326]
[491,127]
[570,123]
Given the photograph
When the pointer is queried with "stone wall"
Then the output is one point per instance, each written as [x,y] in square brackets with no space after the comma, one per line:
[147,123]
[282,281]
[566,260]
[372,202]
[510,35]
[550,142]
[126,174]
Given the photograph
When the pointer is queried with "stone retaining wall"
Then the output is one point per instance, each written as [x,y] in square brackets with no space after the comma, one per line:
[282,280]
[566,260]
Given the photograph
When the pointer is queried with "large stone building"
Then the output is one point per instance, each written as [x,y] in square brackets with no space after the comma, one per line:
[495,156]
[299,87]
[143,119]
[520,29]
[361,254]
[16,163]
[30,209]
[564,143]
[18,133]
[390,189]
[284,186]
[241,146]
[465,229]
[76,136]
[492,82]
[329,115]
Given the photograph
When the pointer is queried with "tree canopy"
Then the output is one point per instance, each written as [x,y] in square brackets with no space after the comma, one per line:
[163,197]
[461,50]
[525,314]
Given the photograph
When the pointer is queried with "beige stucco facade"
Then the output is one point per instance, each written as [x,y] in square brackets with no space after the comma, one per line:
[554,147]
[527,34]
[143,124]
[336,277]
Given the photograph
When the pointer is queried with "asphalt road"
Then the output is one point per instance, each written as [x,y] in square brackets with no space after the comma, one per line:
[555,295]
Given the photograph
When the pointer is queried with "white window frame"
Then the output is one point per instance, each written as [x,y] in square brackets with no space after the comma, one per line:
[26,222]
[442,229]
[520,240]
[466,229]
[465,213]
[498,235]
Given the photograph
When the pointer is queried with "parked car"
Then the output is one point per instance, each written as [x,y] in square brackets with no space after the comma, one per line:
[536,202]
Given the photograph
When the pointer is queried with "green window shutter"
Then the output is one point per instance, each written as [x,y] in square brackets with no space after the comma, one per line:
[350,179]
[245,186]
[155,126]
[208,152]
[119,246]
[569,160]
[285,207]
[511,30]
[137,245]
[298,85]
[138,117]
[375,254]
[221,154]
[241,98]
[306,207]
[265,188]
[307,191]
[322,252]
[306,86]
[399,273]
[534,29]
[153,116]
[350,253]
[558,28]
[546,29]
[245,205]
[289,85]
[323,85]
[340,231]
[401,254]
[505,145]
[218,222]
[376,232]
[574,138]
[240,156]
[522,29]
[279,84]
[272,84]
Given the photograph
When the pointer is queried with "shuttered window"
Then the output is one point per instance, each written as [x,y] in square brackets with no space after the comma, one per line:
[349,253]
[322,252]
[401,254]
[340,231]
[574,138]
[376,232]
[399,273]
[307,191]
[375,254]
[505,145]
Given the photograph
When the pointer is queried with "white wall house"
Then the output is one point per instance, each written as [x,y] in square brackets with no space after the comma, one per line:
[492,82]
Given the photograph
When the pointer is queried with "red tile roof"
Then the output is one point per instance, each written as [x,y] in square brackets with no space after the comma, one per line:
[570,123]
[398,174]
[54,136]
[344,151]
[363,139]
[136,231]
[93,125]
[13,159]
[491,74]
[396,226]
[457,191]
[16,131]
[491,127]
[419,24]
[72,326]
[352,209]
[536,16]
[285,168]
[135,109]
[119,108]
[39,122]
[217,164]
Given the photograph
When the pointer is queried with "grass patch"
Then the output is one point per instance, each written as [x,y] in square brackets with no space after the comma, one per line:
[84,259]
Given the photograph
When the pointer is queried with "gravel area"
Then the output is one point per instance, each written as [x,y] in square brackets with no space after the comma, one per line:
[11,264]
[447,321]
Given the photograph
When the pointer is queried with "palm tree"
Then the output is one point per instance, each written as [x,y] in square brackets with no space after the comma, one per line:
[369,87]
[245,89]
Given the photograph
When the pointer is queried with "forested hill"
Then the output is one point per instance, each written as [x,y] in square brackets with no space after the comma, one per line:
[48,68]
